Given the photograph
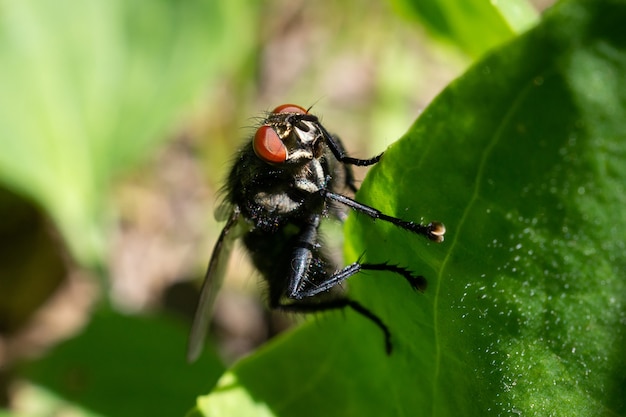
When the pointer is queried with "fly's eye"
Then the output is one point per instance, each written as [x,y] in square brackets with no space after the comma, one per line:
[268,146]
[289,108]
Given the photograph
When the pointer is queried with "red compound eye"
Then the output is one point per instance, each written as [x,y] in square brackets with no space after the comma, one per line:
[268,146]
[289,108]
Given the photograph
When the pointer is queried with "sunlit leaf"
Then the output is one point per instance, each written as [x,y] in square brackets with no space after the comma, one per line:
[474,26]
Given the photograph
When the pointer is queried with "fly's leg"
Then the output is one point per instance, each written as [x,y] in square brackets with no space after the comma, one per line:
[337,304]
[417,282]
[305,252]
[335,145]
[301,267]
[300,287]
[347,168]
[433,231]
[303,255]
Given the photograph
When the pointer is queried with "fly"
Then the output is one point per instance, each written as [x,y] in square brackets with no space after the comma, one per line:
[289,177]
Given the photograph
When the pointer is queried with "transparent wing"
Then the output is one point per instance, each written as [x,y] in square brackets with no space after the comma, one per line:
[212,282]
[223,211]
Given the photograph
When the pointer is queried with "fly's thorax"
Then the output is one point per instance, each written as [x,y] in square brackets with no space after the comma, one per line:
[302,189]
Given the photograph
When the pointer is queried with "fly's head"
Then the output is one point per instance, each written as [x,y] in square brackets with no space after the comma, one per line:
[289,135]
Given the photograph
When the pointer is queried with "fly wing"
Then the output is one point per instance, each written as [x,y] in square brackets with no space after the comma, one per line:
[224,211]
[212,282]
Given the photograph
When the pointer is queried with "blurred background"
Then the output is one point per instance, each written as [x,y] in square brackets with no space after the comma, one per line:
[118,122]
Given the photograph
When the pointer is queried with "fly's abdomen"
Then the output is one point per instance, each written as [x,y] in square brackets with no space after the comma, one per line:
[271,251]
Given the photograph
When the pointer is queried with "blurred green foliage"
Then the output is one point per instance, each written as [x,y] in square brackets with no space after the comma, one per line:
[475,26]
[126,366]
[89,88]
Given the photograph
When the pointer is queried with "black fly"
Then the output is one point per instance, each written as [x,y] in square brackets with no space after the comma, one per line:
[282,184]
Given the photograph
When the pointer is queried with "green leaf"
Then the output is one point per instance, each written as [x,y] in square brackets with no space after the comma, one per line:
[475,26]
[126,366]
[524,159]
[90,87]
